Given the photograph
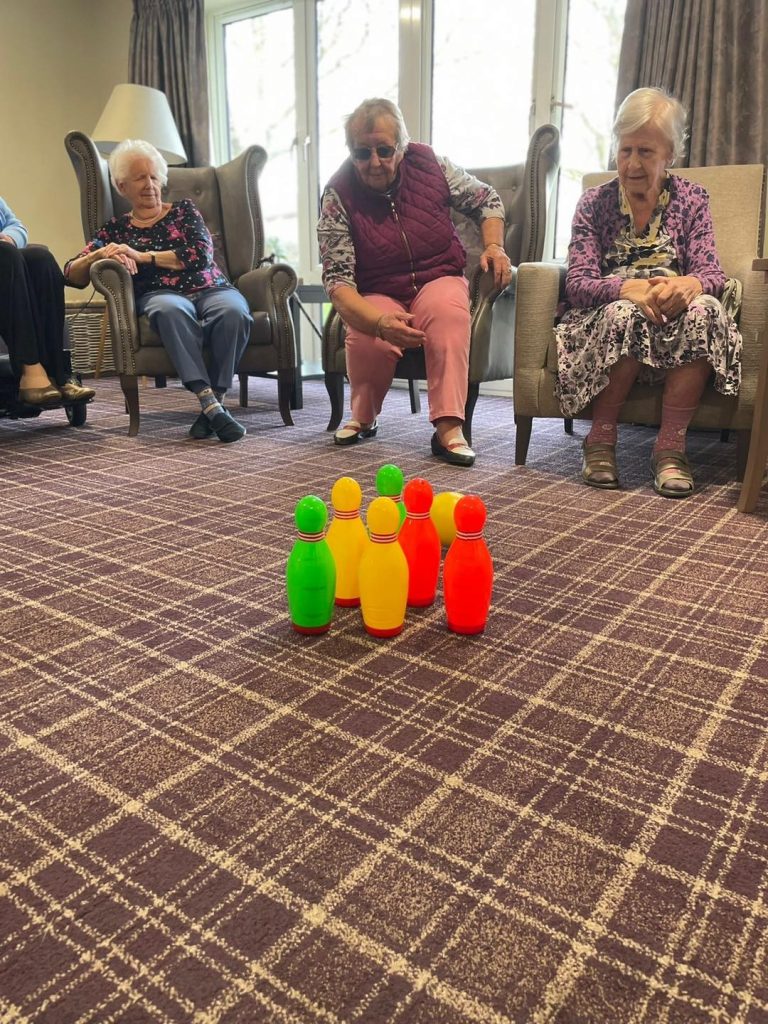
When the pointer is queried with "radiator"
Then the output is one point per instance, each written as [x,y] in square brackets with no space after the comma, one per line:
[84,322]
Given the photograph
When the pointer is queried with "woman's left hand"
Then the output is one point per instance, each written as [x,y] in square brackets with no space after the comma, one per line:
[494,258]
[675,294]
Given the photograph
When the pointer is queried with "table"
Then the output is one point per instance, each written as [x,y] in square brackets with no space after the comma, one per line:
[758,445]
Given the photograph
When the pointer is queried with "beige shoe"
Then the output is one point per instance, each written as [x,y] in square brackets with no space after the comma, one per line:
[598,466]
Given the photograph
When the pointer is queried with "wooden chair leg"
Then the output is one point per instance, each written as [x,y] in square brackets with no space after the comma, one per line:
[160,380]
[243,378]
[130,385]
[568,425]
[742,452]
[413,390]
[334,385]
[469,409]
[285,382]
[724,435]
[102,344]
[523,425]
[758,449]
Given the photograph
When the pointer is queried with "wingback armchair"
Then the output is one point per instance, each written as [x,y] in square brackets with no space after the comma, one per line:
[737,201]
[228,199]
[525,190]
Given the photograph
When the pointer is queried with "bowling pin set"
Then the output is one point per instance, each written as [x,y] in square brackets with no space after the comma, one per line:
[394,563]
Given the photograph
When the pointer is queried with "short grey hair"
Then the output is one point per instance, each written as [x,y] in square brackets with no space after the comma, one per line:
[132,149]
[652,106]
[365,117]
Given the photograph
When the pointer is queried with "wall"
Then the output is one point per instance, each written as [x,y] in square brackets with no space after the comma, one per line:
[60,60]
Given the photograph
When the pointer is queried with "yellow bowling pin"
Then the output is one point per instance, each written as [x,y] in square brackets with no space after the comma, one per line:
[347,537]
[383,572]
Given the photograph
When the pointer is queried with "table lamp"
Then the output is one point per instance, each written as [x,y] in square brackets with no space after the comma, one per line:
[139,112]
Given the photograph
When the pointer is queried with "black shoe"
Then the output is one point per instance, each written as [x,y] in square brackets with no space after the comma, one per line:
[457,453]
[226,427]
[201,428]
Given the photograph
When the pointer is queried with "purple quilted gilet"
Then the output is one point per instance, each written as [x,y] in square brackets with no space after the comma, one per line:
[404,239]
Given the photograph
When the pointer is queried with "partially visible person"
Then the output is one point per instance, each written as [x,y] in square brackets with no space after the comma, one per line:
[393,267]
[32,318]
[177,285]
[643,284]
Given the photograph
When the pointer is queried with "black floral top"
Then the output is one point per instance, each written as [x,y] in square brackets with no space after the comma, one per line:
[182,230]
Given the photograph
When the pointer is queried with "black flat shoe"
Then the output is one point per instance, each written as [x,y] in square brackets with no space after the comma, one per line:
[201,428]
[226,427]
[456,453]
[352,431]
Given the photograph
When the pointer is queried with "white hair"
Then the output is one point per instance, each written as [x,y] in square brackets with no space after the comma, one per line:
[129,150]
[651,106]
[366,115]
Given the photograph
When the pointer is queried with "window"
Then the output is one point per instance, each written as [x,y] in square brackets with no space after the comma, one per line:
[284,73]
[475,90]
[592,59]
[357,49]
[261,104]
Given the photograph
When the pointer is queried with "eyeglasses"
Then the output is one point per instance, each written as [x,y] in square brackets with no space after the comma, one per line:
[363,153]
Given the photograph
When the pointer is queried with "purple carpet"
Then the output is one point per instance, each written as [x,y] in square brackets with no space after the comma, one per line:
[209,818]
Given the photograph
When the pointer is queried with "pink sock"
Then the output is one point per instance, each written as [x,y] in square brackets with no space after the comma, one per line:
[674,424]
[604,429]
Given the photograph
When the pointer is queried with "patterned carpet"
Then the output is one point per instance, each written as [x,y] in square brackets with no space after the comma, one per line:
[208,818]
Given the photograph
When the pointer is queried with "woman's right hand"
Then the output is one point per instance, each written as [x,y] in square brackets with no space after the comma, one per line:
[642,292]
[395,328]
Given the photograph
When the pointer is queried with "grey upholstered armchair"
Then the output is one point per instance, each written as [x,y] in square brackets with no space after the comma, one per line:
[737,200]
[228,198]
[525,190]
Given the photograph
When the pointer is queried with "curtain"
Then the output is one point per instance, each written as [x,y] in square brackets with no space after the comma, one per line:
[167,52]
[713,56]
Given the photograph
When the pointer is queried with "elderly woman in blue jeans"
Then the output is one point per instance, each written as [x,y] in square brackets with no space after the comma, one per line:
[178,286]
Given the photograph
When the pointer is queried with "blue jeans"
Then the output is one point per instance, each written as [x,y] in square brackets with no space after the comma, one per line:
[216,317]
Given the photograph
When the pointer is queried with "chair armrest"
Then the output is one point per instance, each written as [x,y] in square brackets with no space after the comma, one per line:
[538,292]
[268,290]
[482,288]
[111,279]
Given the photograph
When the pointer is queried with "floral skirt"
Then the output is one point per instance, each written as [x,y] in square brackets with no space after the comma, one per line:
[591,341]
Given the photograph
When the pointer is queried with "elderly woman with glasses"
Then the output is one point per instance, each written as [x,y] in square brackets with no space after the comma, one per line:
[393,267]
[643,288]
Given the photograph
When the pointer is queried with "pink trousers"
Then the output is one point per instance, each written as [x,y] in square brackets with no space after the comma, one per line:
[441,311]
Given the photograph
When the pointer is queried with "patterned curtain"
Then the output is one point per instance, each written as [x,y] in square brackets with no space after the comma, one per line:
[713,56]
[167,52]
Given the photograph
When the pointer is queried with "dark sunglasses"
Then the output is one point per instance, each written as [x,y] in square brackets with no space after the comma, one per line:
[363,153]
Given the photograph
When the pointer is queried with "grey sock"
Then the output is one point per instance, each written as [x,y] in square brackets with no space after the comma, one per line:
[209,403]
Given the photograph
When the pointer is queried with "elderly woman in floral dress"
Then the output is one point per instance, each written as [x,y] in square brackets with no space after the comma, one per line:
[642,285]
[393,267]
[176,282]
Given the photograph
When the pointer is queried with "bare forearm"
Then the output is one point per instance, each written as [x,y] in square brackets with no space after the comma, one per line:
[492,231]
[78,271]
[355,310]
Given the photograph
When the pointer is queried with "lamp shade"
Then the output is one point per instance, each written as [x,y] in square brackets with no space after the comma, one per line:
[138,112]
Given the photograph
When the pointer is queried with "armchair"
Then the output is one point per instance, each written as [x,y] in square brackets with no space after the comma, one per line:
[525,190]
[737,201]
[228,198]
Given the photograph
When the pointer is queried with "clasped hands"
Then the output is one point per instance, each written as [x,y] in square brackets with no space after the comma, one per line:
[661,298]
[130,258]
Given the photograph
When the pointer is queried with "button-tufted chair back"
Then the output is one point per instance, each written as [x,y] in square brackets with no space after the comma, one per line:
[227,197]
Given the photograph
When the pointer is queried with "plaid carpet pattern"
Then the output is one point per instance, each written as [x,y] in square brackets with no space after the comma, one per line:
[209,818]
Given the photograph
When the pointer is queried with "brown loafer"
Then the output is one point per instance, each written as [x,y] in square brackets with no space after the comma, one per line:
[600,458]
[49,395]
[669,465]
[71,391]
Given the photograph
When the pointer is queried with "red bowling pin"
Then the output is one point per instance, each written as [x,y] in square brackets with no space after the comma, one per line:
[468,570]
[420,541]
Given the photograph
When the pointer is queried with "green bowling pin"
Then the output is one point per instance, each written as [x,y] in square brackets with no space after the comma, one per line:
[389,484]
[310,575]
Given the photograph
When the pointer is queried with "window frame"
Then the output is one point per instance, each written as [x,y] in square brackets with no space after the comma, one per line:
[414,89]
